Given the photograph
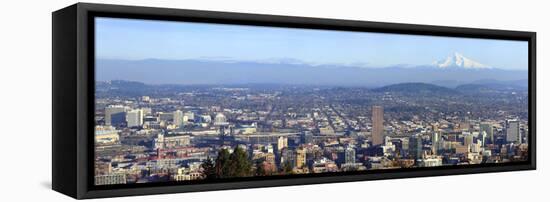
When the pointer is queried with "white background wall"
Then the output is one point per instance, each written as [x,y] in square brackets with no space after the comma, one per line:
[25,102]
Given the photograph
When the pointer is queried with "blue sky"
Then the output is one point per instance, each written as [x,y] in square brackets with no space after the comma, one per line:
[145,39]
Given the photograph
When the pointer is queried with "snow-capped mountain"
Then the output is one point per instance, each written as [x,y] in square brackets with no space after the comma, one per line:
[458,60]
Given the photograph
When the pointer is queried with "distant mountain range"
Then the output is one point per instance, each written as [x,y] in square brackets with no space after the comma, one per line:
[132,88]
[452,72]
[417,88]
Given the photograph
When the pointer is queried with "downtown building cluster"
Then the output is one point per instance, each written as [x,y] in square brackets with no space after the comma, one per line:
[142,139]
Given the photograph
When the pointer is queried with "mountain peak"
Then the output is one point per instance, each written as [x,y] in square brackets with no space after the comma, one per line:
[458,60]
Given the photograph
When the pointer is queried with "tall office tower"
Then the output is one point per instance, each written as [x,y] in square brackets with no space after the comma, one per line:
[435,142]
[483,138]
[468,139]
[288,157]
[300,157]
[115,115]
[377,125]
[178,118]
[415,147]
[405,144]
[435,137]
[488,129]
[512,131]
[350,155]
[282,142]
[134,118]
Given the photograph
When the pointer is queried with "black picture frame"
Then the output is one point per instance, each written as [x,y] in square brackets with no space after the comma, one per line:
[73,98]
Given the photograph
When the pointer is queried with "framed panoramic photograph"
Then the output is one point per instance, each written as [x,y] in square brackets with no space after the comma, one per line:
[153,100]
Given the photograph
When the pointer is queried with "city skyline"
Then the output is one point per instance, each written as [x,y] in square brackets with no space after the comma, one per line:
[166,134]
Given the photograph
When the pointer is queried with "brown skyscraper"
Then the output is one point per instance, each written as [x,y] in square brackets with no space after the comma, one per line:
[377,125]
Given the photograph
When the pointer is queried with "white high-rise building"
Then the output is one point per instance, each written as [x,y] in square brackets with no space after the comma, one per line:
[512,131]
[435,142]
[134,118]
[435,137]
[488,129]
[483,138]
[178,118]
[115,114]
[468,138]
[282,142]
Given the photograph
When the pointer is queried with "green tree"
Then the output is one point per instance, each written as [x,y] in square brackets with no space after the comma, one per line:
[208,169]
[228,165]
[222,164]
[260,171]
[239,164]
[286,168]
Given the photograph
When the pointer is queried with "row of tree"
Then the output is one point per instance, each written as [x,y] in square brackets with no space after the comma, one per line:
[237,164]
[227,165]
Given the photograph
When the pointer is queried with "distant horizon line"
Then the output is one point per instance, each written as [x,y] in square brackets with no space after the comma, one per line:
[488,81]
[295,61]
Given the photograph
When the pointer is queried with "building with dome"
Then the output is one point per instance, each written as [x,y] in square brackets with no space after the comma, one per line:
[220,120]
